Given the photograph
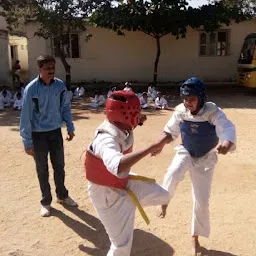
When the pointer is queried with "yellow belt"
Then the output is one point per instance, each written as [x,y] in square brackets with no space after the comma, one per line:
[134,197]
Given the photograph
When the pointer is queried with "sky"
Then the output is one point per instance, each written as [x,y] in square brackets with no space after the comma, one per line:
[196,3]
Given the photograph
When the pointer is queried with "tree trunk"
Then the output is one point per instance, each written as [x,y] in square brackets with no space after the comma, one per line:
[156,60]
[64,62]
[67,69]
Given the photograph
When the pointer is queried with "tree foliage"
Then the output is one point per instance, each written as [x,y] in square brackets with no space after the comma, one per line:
[248,7]
[158,18]
[55,19]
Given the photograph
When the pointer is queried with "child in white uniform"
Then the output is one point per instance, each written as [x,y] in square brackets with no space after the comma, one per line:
[205,132]
[161,102]
[112,190]
[17,105]
[6,97]
[98,100]
[128,86]
[144,100]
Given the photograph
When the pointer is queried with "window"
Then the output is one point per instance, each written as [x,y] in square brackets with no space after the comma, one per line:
[12,51]
[214,44]
[69,43]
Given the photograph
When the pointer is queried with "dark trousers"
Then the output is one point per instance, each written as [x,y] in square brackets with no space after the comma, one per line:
[44,143]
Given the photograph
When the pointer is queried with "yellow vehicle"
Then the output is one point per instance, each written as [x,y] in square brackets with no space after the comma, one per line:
[247,62]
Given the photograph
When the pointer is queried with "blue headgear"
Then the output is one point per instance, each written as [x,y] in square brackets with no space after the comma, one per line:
[194,87]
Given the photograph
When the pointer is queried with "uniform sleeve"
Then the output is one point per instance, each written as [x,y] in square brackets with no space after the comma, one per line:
[109,151]
[173,126]
[225,129]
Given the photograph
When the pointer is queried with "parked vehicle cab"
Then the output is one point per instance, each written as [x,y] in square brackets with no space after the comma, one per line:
[247,62]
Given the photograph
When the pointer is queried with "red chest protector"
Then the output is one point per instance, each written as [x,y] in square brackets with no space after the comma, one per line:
[97,173]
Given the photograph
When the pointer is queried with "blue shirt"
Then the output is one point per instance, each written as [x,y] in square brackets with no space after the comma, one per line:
[44,108]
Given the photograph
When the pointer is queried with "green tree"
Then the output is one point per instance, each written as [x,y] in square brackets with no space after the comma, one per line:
[158,18]
[247,6]
[56,19]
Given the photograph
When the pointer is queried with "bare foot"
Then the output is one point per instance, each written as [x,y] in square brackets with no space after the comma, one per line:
[162,211]
[195,246]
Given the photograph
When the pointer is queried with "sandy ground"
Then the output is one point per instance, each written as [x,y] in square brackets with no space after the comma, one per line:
[76,232]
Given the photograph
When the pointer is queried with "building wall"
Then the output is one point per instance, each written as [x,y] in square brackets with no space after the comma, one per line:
[22,51]
[119,58]
[4,65]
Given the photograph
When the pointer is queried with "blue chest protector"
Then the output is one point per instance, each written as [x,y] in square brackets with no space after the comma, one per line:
[198,137]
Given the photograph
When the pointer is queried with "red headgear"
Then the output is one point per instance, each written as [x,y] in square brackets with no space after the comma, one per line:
[123,107]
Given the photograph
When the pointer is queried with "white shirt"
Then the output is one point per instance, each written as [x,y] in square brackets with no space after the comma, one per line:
[127,88]
[99,99]
[143,101]
[15,96]
[160,102]
[109,145]
[17,103]
[8,97]
[225,129]
[81,91]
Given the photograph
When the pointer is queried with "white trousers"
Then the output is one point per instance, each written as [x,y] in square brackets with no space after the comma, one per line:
[201,173]
[116,211]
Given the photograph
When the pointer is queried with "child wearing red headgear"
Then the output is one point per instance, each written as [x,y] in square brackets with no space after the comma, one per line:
[113,190]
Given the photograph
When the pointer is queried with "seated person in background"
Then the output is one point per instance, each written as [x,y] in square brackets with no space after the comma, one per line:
[6,97]
[112,89]
[127,86]
[152,92]
[150,89]
[98,101]
[139,93]
[79,92]
[15,96]
[18,102]
[161,102]
[144,100]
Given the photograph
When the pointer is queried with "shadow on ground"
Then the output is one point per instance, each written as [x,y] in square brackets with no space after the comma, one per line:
[90,229]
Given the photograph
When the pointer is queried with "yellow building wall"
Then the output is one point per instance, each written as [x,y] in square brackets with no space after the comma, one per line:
[120,58]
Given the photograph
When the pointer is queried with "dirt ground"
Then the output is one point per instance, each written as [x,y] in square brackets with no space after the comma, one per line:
[74,232]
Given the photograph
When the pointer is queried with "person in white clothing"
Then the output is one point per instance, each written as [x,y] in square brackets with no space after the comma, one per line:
[9,94]
[127,86]
[15,96]
[98,100]
[79,92]
[144,100]
[7,97]
[17,105]
[152,92]
[161,102]
[205,133]
[112,89]
[112,188]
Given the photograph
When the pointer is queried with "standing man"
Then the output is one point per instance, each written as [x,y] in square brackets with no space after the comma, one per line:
[16,71]
[46,106]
